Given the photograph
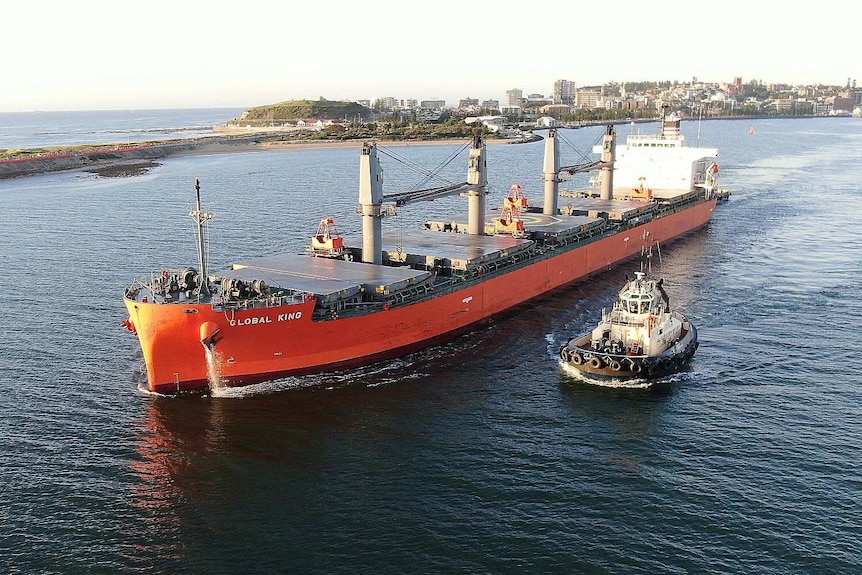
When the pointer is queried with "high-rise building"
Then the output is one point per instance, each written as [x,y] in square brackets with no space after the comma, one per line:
[514,97]
[434,104]
[386,103]
[564,92]
[587,98]
[490,105]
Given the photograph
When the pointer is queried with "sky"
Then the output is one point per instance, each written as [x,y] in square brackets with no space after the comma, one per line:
[113,55]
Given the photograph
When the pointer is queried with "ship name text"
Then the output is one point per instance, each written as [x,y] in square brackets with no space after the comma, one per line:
[258,320]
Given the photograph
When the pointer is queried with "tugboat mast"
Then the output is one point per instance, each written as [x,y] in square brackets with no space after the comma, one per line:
[200,218]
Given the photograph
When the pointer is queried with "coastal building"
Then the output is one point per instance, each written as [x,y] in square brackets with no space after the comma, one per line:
[822,109]
[429,115]
[468,107]
[493,123]
[433,104]
[587,98]
[564,92]
[514,112]
[490,105]
[546,122]
[537,100]
[843,102]
[386,103]
[556,110]
[785,105]
[514,97]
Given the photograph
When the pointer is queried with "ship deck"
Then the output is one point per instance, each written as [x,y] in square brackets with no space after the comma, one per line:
[618,210]
[330,279]
[413,256]
[453,250]
[558,225]
[586,195]
[326,278]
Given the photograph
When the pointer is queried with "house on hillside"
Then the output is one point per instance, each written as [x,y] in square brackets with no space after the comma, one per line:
[493,123]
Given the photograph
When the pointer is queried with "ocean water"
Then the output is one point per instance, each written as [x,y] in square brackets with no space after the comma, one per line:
[25,130]
[481,456]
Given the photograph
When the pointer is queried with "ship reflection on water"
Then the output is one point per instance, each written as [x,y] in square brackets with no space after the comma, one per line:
[195,451]
[198,458]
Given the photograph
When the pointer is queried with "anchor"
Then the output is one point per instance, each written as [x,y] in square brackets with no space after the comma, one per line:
[210,332]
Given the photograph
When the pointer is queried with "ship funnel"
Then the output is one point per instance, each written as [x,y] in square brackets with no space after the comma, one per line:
[549,173]
[210,334]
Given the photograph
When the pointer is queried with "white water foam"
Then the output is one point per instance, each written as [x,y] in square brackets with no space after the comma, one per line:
[262,388]
[214,364]
[144,390]
[616,383]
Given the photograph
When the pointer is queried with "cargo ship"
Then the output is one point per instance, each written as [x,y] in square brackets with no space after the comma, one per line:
[349,302]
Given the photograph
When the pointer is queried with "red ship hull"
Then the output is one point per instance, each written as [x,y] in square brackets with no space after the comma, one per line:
[262,344]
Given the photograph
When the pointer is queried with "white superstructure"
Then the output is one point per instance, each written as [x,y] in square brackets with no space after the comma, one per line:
[649,164]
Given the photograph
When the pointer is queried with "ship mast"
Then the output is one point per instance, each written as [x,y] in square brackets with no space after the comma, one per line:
[477,179]
[371,197]
[200,218]
[552,170]
[550,174]
[370,202]
[609,154]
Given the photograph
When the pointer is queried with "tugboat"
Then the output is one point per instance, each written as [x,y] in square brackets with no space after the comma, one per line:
[641,337]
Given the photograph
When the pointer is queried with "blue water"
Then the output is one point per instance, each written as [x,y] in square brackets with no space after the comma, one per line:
[25,130]
[481,456]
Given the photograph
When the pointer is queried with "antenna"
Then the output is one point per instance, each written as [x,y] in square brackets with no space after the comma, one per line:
[200,218]
[646,260]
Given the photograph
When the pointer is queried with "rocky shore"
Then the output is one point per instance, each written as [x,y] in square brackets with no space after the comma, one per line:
[134,159]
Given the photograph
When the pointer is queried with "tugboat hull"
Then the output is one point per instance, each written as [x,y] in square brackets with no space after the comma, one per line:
[613,366]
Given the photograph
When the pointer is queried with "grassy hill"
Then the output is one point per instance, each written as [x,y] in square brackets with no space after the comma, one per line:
[304,109]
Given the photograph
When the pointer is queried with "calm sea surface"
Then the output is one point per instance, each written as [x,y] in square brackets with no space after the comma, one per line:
[40,129]
[480,456]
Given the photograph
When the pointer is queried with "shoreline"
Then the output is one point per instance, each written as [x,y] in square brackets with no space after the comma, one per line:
[136,159]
